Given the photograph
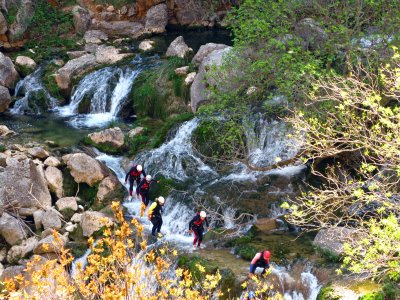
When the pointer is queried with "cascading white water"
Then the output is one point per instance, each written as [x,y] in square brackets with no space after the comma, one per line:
[106,90]
[35,97]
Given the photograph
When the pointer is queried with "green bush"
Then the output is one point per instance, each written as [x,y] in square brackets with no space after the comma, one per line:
[2,148]
[327,293]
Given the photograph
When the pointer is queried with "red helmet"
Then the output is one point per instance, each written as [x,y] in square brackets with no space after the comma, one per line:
[267,255]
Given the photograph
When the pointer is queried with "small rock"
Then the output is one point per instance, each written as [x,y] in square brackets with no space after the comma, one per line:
[146,45]
[16,147]
[135,131]
[178,48]
[71,228]
[4,131]
[81,19]
[11,229]
[52,144]
[92,221]
[3,159]
[5,99]
[52,161]
[75,54]
[157,18]
[110,8]
[109,55]
[50,245]
[54,180]
[46,232]
[67,202]
[51,219]
[3,254]
[95,37]
[37,218]
[38,152]
[266,224]
[251,90]
[190,78]
[112,136]
[76,218]
[182,70]
[25,64]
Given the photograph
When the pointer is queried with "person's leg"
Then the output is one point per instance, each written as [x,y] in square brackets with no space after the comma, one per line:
[196,237]
[131,180]
[155,225]
[159,224]
[147,198]
[143,206]
[137,180]
[200,232]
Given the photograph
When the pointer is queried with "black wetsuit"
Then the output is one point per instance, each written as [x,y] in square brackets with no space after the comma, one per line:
[196,224]
[134,175]
[144,190]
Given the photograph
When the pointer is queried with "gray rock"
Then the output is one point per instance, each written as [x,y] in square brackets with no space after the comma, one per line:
[84,168]
[146,45]
[120,28]
[3,254]
[75,54]
[190,78]
[109,55]
[81,19]
[52,161]
[67,202]
[38,152]
[51,219]
[95,37]
[54,180]
[111,136]
[182,70]
[3,24]
[18,252]
[38,217]
[25,64]
[12,230]
[26,11]
[106,190]
[178,48]
[109,16]
[50,245]
[157,18]
[11,272]
[312,34]
[92,221]
[76,218]
[205,50]
[5,99]
[333,239]
[8,74]
[22,181]
[135,131]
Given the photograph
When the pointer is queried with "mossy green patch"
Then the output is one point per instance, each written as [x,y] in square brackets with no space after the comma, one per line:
[2,148]
[67,213]
[327,293]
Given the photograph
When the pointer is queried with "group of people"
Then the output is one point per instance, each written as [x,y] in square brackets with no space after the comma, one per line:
[196,225]
[143,183]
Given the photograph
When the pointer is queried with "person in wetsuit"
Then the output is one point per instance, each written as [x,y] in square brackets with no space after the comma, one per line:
[196,226]
[134,175]
[154,215]
[260,260]
[143,189]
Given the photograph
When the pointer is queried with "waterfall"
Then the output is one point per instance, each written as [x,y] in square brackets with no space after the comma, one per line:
[35,97]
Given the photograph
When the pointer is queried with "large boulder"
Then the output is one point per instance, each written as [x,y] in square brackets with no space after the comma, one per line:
[157,18]
[18,252]
[12,230]
[109,190]
[84,168]
[112,136]
[52,161]
[205,50]
[333,239]
[74,68]
[25,65]
[266,224]
[8,74]
[23,182]
[109,55]
[38,152]
[189,12]
[81,18]
[5,99]
[12,271]
[312,34]
[26,11]
[178,48]
[3,24]
[50,244]
[51,219]
[54,180]
[67,203]
[120,28]
[95,37]
[92,221]
[198,90]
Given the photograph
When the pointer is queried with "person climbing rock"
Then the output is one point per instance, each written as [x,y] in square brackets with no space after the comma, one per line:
[154,215]
[134,175]
[196,226]
[260,260]
[143,189]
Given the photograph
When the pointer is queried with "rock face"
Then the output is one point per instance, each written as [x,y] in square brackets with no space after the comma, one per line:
[81,18]
[178,48]
[333,239]
[74,68]
[11,229]
[51,219]
[109,55]
[95,37]
[26,11]
[67,202]
[92,221]
[8,74]
[189,13]
[112,136]
[25,65]
[312,34]
[205,50]
[23,182]
[120,28]
[84,168]
[18,252]
[54,179]
[146,45]
[5,99]
[198,90]
[157,18]
[3,24]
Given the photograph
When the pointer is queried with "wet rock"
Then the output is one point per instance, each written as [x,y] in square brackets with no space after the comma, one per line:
[198,90]
[50,244]
[54,180]
[3,24]
[157,18]
[95,37]
[205,50]
[190,78]
[135,131]
[146,45]
[8,74]
[23,181]
[112,136]
[312,34]
[52,162]
[120,28]
[75,54]
[38,152]
[81,19]
[333,239]
[5,99]
[84,168]
[51,219]
[67,203]
[92,221]
[182,70]
[109,55]
[178,48]
[74,68]
[12,230]
[18,252]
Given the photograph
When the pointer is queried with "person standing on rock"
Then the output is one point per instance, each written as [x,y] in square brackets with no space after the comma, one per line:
[134,175]
[155,217]
[260,260]
[196,226]
[143,189]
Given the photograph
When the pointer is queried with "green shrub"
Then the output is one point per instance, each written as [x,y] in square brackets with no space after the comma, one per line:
[327,293]
[2,148]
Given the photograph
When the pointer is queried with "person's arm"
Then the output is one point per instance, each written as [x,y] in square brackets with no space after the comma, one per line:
[192,221]
[253,263]
[140,185]
[150,212]
[127,174]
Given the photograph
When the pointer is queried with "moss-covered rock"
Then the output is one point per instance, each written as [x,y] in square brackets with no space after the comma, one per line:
[327,293]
